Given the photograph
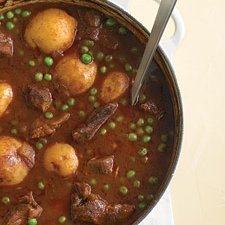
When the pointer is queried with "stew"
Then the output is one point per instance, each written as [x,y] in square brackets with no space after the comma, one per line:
[72,148]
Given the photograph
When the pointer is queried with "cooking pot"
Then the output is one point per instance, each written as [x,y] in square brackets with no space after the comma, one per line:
[161,57]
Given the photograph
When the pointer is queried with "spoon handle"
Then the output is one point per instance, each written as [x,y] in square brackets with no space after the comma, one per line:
[165,9]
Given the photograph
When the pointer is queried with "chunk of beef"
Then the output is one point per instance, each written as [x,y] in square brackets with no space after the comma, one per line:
[90,25]
[151,108]
[102,165]
[91,208]
[108,40]
[26,208]
[39,97]
[6,45]
[42,127]
[93,123]
[119,213]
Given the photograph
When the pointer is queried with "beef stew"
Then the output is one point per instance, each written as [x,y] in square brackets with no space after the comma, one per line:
[66,95]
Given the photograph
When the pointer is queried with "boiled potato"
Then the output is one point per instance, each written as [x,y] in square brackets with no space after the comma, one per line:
[51,30]
[62,159]
[114,85]
[75,75]
[6,96]
[16,160]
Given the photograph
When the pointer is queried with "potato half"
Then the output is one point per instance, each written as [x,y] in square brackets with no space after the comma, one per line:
[51,30]
[62,159]
[114,86]
[6,96]
[75,75]
[16,159]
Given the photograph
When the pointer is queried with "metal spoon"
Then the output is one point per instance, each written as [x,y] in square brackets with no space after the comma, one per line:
[163,15]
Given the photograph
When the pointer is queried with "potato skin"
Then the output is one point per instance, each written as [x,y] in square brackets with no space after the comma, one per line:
[16,159]
[51,30]
[75,75]
[6,96]
[61,158]
[114,86]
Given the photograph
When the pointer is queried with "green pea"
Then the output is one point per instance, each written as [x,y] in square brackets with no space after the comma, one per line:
[44,141]
[18,11]
[39,145]
[86,58]
[100,56]
[123,190]
[150,121]
[123,101]
[71,102]
[62,219]
[110,22]
[10,25]
[48,61]
[84,49]
[140,131]
[108,58]
[103,131]
[2,17]
[142,98]
[89,43]
[49,115]
[141,197]
[81,114]
[111,65]
[14,131]
[41,185]
[123,30]
[96,105]
[38,76]
[106,187]
[64,107]
[143,152]
[32,63]
[91,98]
[5,200]
[141,205]
[140,122]
[48,77]
[150,197]
[153,180]
[149,129]
[164,138]
[25,13]
[32,221]
[162,147]
[119,119]
[103,69]
[132,137]
[137,184]
[134,50]
[128,67]
[146,139]
[10,15]
[131,174]
[93,91]
[112,125]
[93,181]
[132,126]
[21,53]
